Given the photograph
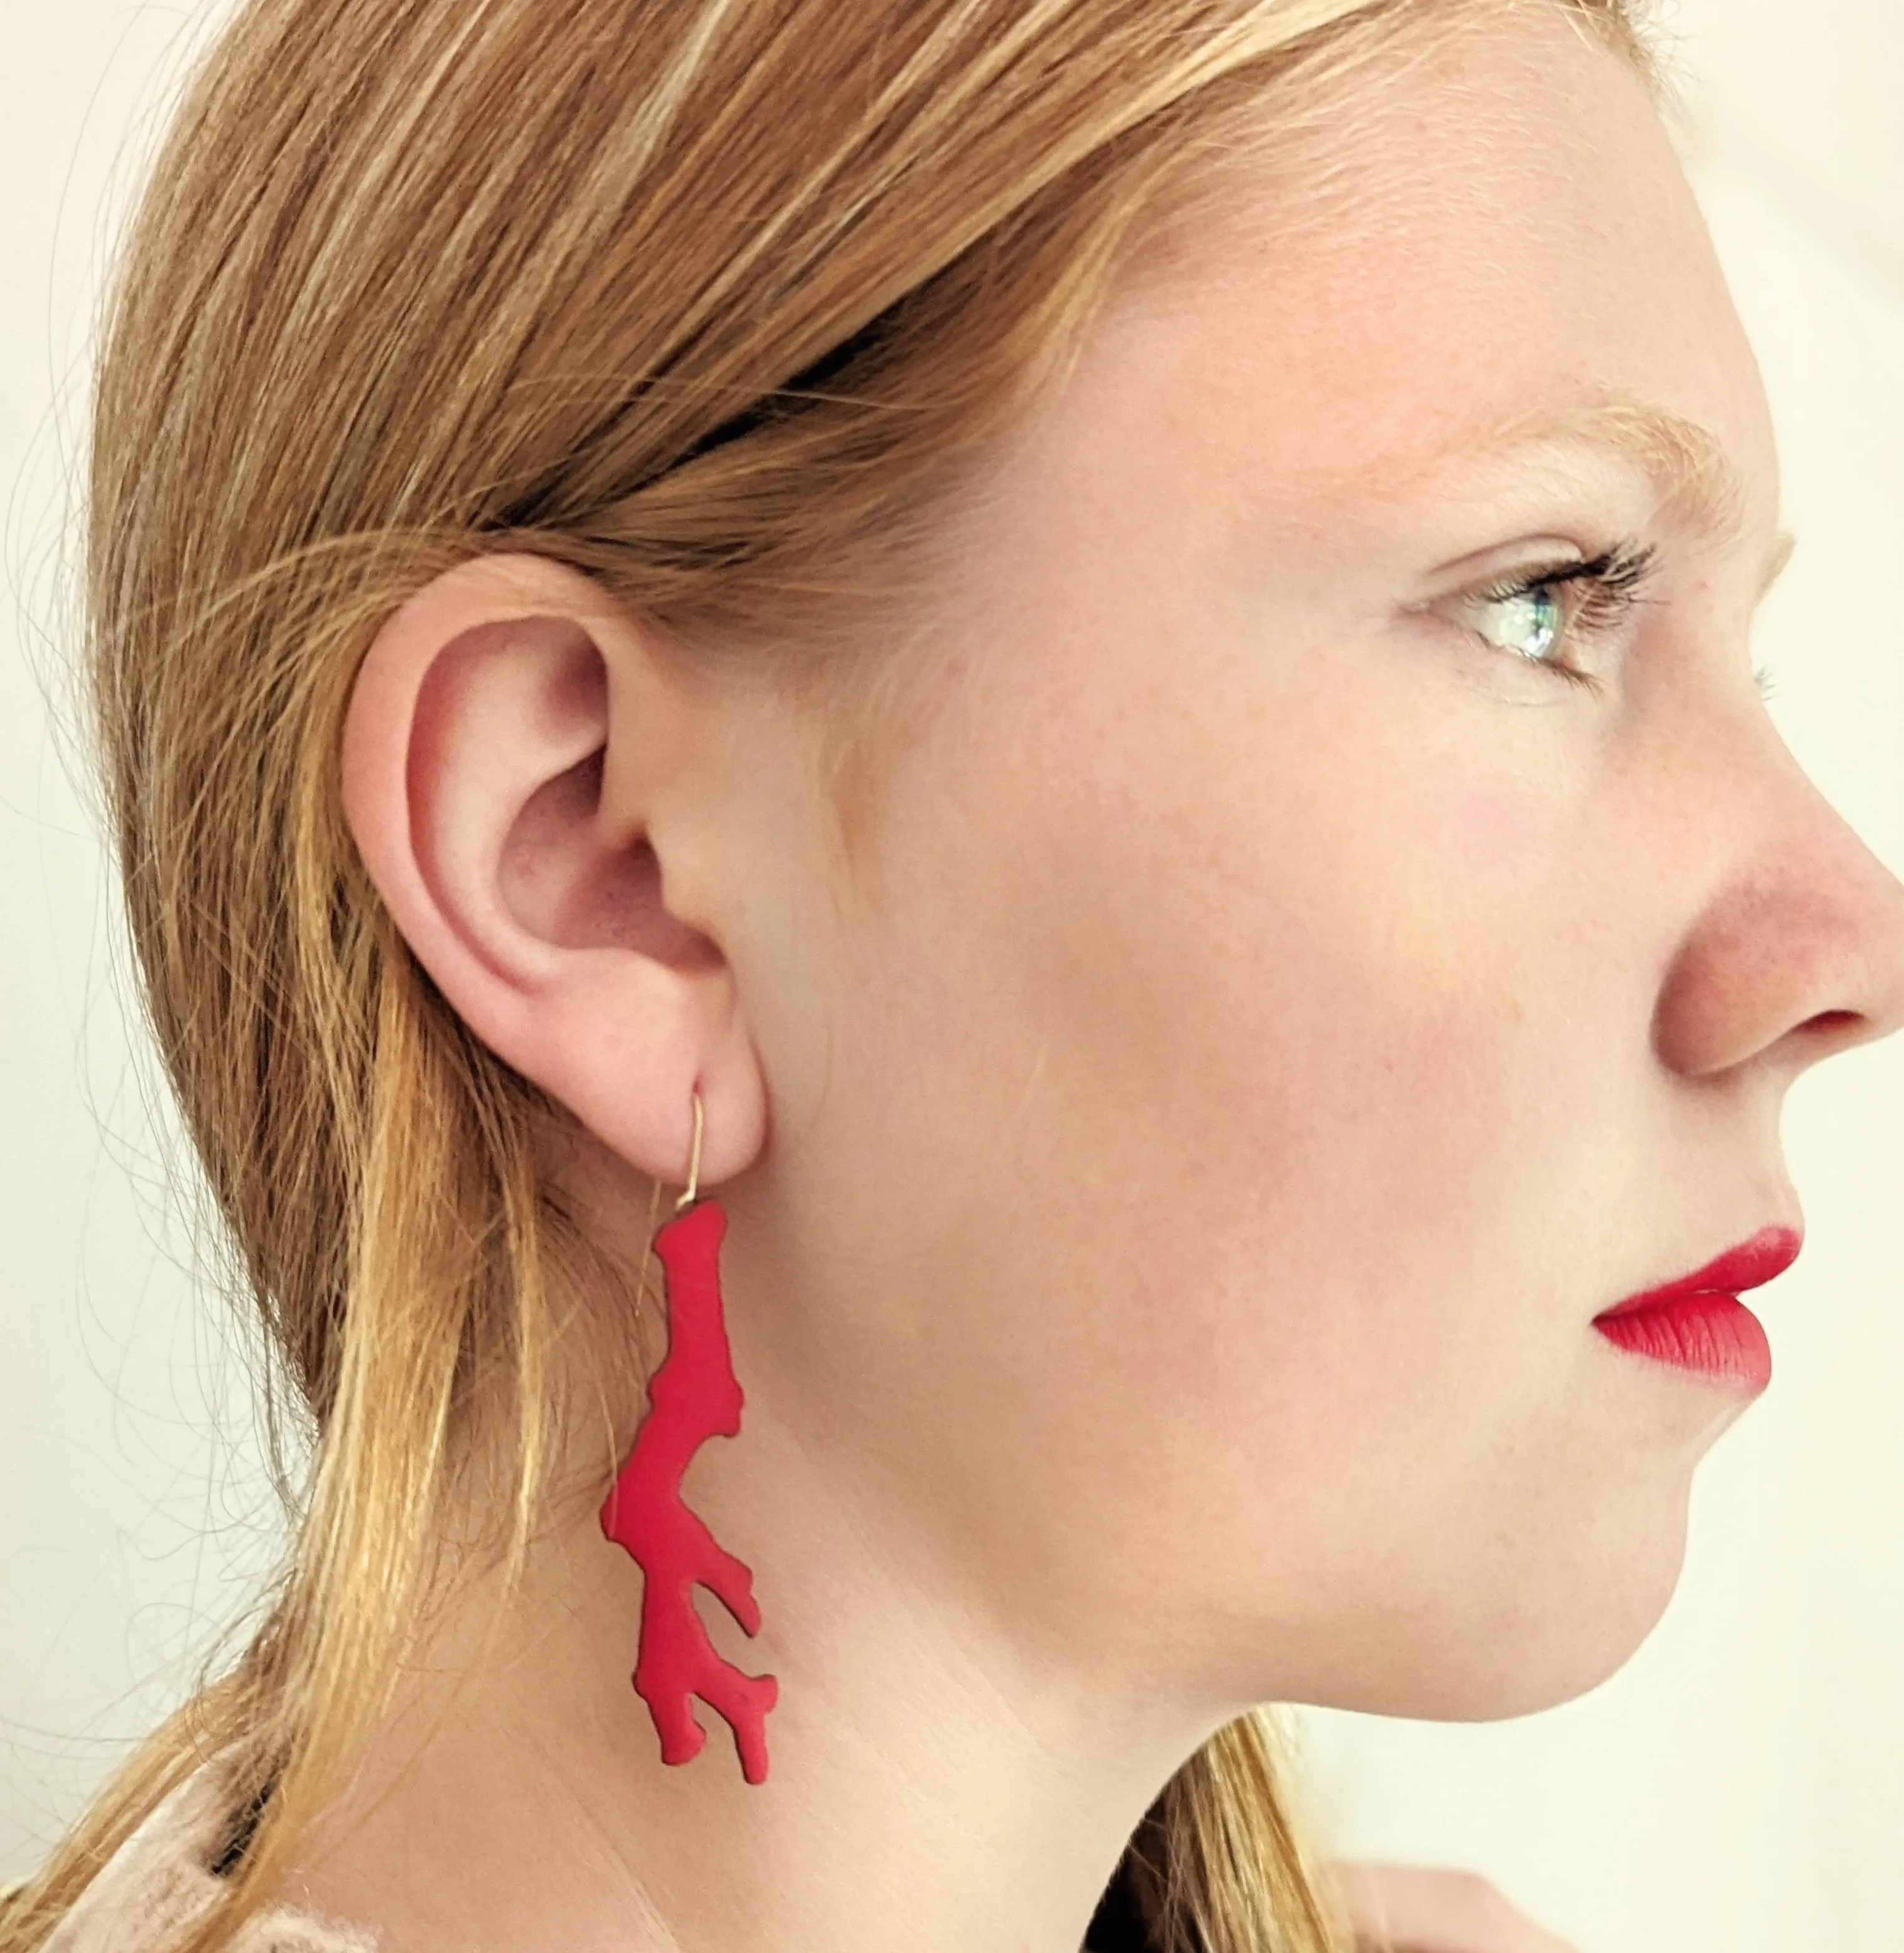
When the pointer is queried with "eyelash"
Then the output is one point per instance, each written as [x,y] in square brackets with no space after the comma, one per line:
[1606,592]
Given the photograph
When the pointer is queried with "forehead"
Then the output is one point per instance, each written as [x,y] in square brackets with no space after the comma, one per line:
[1475,232]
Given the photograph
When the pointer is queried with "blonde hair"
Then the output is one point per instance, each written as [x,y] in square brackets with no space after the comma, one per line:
[716,300]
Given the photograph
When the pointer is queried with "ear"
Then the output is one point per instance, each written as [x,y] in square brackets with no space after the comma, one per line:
[518,773]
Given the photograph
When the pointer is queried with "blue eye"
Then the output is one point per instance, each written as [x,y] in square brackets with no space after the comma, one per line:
[1528,623]
[1550,617]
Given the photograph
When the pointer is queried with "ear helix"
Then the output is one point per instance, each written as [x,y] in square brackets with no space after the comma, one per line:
[695,1396]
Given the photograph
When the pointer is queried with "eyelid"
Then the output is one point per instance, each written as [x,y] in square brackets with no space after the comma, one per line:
[1624,564]
[1599,594]
[1538,550]
[1523,582]
[1615,573]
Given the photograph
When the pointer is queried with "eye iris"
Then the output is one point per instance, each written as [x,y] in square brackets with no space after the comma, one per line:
[1528,623]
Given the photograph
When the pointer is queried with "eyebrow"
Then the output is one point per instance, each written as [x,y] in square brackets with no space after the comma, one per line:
[1697,480]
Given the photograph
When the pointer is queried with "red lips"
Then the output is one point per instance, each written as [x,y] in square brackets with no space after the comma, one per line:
[1698,1324]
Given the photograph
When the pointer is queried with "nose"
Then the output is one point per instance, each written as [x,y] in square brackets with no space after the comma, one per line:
[1799,951]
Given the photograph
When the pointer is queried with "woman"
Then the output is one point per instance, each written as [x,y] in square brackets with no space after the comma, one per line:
[1089,658]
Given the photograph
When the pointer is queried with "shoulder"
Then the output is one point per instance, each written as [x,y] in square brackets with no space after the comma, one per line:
[161,1879]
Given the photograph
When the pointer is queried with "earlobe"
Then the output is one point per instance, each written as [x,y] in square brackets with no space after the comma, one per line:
[508,738]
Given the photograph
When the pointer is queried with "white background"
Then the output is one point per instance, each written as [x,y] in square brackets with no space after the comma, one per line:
[1739,1789]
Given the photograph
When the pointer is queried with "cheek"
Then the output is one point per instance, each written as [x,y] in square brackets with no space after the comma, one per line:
[1325,976]
[1334,1057]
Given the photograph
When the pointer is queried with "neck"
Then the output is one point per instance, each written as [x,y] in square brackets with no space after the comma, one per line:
[931,1786]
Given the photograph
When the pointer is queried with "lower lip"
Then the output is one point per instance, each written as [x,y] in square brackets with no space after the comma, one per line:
[1714,1336]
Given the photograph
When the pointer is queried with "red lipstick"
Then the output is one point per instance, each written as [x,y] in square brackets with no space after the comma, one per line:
[1698,1323]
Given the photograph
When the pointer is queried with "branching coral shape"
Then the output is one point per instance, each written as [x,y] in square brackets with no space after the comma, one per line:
[695,1396]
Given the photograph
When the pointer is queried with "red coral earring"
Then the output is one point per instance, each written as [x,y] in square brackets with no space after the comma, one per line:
[695,1396]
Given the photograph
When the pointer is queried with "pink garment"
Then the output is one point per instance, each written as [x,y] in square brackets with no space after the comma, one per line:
[160,1879]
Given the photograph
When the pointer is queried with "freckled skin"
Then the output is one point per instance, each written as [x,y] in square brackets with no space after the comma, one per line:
[1277,973]
[1260,1024]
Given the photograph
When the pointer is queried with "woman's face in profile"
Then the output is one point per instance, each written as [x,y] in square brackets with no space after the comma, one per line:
[1339,920]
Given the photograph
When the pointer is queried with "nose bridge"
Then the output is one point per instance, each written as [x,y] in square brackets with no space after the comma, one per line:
[1799,949]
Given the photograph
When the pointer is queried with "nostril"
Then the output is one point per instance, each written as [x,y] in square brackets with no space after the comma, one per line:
[1834,1030]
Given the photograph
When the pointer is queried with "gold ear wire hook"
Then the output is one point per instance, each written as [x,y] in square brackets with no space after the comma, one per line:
[693,1162]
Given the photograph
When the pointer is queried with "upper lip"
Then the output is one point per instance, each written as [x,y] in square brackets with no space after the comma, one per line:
[1751,1264]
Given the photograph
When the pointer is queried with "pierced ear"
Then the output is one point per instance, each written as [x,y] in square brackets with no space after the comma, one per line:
[508,755]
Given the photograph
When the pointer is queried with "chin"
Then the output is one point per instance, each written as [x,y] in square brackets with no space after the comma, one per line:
[1573,1639]
[1543,1631]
